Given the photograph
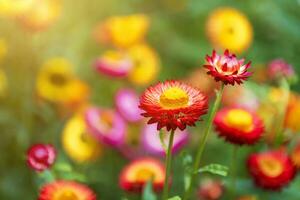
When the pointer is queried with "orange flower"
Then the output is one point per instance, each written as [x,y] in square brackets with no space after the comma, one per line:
[135,175]
[173,104]
[296,155]
[227,68]
[63,190]
[238,125]
[292,120]
[271,170]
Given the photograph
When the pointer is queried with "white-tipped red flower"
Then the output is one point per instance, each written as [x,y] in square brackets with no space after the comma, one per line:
[227,68]
[127,104]
[114,64]
[136,174]
[66,190]
[173,104]
[106,125]
[41,156]
[151,141]
[271,170]
[238,125]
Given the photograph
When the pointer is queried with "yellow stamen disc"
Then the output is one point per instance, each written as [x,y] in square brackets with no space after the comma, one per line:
[144,174]
[270,166]
[239,119]
[173,98]
[66,194]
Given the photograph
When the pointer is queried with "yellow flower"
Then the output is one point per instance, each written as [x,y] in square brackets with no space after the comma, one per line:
[292,120]
[146,64]
[125,31]
[3,83]
[3,49]
[13,8]
[57,83]
[77,142]
[228,28]
[41,14]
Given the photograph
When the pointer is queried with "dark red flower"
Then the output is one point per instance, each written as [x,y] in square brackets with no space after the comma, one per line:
[41,156]
[271,170]
[238,125]
[173,104]
[227,68]
[66,190]
[137,173]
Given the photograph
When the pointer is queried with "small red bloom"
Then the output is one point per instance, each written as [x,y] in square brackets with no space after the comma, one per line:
[279,67]
[173,104]
[66,190]
[238,125]
[137,173]
[271,170]
[227,68]
[210,190]
[41,156]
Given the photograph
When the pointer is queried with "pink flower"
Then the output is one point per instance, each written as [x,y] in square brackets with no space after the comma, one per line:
[41,156]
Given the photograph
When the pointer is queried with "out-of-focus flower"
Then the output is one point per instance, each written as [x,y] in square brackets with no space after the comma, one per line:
[3,49]
[3,83]
[173,104]
[106,125]
[114,64]
[57,83]
[77,141]
[151,141]
[238,125]
[278,68]
[41,14]
[13,8]
[127,104]
[137,173]
[228,28]
[123,31]
[206,85]
[66,190]
[292,120]
[210,190]
[295,156]
[271,170]
[145,64]
[247,197]
[227,68]
[41,156]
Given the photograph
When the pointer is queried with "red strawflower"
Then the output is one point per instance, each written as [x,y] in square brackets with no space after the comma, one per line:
[41,156]
[271,170]
[173,104]
[66,190]
[227,68]
[279,67]
[137,173]
[238,125]
[210,190]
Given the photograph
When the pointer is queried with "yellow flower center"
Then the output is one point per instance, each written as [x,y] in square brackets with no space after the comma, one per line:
[144,174]
[58,79]
[67,194]
[270,166]
[106,120]
[173,98]
[239,119]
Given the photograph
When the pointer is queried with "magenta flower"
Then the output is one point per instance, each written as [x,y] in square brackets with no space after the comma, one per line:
[280,67]
[151,141]
[41,156]
[106,125]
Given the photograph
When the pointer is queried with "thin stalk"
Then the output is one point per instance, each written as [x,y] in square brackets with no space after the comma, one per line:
[233,171]
[168,166]
[203,142]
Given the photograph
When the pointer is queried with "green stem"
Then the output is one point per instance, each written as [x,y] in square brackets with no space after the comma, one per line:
[203,142]
[168,166]
[233,171]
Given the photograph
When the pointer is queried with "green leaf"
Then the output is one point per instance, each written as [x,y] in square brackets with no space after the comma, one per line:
[214,169]
[175,198]
[162,141]
[148,193]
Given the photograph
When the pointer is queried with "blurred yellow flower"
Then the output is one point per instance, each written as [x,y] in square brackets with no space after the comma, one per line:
[145,64]
[13,8]
[3,83]
[79,145]
[124,31]
[228,28]
[3,48]
[41,14]
[57,83]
